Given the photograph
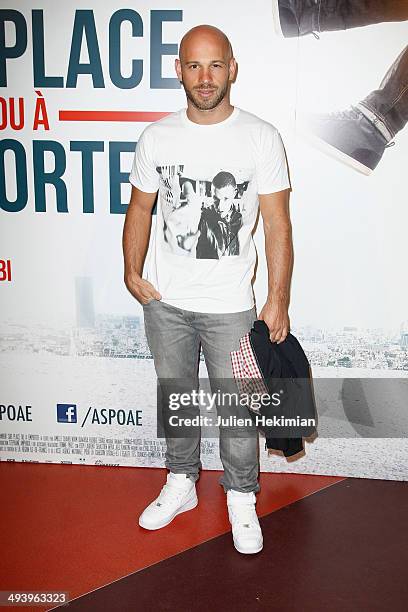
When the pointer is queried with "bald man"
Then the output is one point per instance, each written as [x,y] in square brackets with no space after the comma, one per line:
[196,299]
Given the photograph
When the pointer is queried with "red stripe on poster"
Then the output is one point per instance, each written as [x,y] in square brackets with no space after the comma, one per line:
[138,116]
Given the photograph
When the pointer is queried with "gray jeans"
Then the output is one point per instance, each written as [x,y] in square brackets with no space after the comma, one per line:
[174,337]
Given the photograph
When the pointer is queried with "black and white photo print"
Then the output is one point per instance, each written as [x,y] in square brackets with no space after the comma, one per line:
[202,217]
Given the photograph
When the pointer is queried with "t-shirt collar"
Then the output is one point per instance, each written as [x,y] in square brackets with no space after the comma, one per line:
[186,121]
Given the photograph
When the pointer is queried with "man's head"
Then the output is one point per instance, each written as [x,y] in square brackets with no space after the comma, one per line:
[225,188]
[206,66]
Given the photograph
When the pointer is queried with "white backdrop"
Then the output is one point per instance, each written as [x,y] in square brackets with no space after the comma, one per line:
[72,335]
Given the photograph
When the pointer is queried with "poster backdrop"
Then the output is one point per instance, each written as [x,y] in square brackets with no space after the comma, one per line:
[79,82]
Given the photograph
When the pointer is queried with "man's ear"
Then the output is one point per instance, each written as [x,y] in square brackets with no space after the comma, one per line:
[177,66]
[232,69]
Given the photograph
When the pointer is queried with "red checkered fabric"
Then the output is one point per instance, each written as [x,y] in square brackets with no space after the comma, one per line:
[245,368]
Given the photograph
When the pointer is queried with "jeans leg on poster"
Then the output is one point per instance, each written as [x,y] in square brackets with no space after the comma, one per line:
[347,14]
[390,101]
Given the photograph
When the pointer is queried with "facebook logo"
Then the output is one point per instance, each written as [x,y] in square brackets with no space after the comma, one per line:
[66,413]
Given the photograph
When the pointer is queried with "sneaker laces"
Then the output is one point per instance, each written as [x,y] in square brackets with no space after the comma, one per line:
[345,114]
[169,494]
[335,115]
[244,513]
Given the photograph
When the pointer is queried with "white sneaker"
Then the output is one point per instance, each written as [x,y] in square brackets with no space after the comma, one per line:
[177,495]
[246,530]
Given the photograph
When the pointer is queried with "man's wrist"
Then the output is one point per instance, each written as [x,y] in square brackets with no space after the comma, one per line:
[132,273]
[280,297]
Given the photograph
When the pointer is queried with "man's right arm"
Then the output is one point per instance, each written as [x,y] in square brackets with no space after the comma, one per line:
[135,242]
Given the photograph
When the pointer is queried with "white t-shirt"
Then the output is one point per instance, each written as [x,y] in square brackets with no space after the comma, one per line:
[202,254]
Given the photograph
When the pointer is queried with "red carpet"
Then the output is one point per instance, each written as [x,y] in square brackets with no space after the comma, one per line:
[74,528]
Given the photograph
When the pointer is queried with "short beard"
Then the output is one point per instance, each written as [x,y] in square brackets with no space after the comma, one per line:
[206,104]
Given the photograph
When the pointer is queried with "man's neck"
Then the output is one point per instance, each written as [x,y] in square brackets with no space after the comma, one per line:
[210,116]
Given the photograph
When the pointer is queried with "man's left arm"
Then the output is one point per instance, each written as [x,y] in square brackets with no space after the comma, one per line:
[274,209]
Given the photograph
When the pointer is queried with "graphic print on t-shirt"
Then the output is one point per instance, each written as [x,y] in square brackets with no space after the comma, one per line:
[202,217]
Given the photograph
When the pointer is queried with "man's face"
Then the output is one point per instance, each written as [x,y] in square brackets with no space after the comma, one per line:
[205,70]
[225,197]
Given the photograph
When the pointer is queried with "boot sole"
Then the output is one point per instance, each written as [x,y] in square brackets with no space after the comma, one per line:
[190,505]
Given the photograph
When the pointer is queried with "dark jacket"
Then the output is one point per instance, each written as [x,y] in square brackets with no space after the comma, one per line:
[285,367]
[218,236]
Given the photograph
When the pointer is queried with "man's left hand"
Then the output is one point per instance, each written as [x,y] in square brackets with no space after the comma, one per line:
[276,317]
